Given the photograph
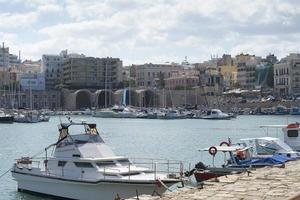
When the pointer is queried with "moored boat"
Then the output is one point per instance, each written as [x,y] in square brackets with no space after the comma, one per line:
[84,167]
[215,114]
[5,118]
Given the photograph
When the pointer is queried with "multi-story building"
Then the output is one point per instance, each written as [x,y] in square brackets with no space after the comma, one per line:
[90,72]
[182,79]
[32,81]
[31,67]
[246,67]
[228,70]
[146,75]
[52,66]
[211,80]
[7,59]
[271,58]
[287,76]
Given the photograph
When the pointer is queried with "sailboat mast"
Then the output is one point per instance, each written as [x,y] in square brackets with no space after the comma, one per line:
[105,85]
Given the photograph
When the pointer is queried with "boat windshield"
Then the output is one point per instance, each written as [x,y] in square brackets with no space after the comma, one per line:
[70,134]
[271,146]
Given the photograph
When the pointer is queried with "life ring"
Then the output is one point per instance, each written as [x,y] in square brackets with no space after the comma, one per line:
[224,143]
[212,151]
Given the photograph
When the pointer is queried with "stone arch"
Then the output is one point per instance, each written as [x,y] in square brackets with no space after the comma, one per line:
[83,99]
[104,98]
[147,98]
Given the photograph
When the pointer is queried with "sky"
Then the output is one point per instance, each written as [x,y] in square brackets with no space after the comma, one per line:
[157,31]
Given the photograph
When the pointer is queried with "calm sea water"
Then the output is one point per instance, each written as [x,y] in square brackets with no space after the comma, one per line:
[169,139]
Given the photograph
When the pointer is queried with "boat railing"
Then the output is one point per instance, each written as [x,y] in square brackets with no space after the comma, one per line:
[170,168]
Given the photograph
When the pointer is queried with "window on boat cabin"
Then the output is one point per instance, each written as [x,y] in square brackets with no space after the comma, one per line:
[61,163]
[124,161]
[83,164]
[292,133]
[131,173]
[105,163]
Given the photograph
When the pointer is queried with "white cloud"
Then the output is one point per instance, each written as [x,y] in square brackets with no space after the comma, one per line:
[137,30]
[49,8]
[12,20]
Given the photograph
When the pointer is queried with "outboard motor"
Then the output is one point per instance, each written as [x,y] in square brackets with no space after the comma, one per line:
[198,166]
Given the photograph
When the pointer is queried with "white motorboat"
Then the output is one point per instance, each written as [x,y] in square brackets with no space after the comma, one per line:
[268,146]
[104,113]
[215,114]
[27,117]
[84,167]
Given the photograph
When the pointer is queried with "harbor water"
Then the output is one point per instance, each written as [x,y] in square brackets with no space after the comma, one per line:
[168,139]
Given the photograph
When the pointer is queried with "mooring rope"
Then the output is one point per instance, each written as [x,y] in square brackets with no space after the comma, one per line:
[2,175]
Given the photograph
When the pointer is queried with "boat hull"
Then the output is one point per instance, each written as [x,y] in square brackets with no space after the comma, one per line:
[215,173]
[84,190]
[7,120]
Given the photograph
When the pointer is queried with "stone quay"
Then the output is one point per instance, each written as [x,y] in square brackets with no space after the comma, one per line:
[268,183]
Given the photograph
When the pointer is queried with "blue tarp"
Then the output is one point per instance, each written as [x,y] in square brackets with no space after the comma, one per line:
[274,160]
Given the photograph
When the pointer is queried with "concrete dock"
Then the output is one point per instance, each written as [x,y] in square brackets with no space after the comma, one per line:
[268,183]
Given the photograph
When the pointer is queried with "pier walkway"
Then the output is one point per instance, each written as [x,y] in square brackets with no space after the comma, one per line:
[268,183]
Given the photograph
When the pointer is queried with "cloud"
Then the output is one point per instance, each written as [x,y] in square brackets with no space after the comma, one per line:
[12,20]
[137,30]
[49,8]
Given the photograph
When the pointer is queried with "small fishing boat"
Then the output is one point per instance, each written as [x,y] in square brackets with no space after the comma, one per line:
[83,167]
[250,153]
[202,172]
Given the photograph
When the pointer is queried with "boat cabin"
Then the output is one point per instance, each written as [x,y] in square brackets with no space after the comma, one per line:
[81,140]
[268,146]
[290,132]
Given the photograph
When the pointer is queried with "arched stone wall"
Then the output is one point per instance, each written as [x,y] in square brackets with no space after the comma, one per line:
[83,99]
[104,98]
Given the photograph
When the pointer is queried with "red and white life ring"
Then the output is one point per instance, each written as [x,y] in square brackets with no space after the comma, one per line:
[212,151]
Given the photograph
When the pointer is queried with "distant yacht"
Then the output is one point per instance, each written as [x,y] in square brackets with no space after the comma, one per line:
[84,167]
[216,114]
